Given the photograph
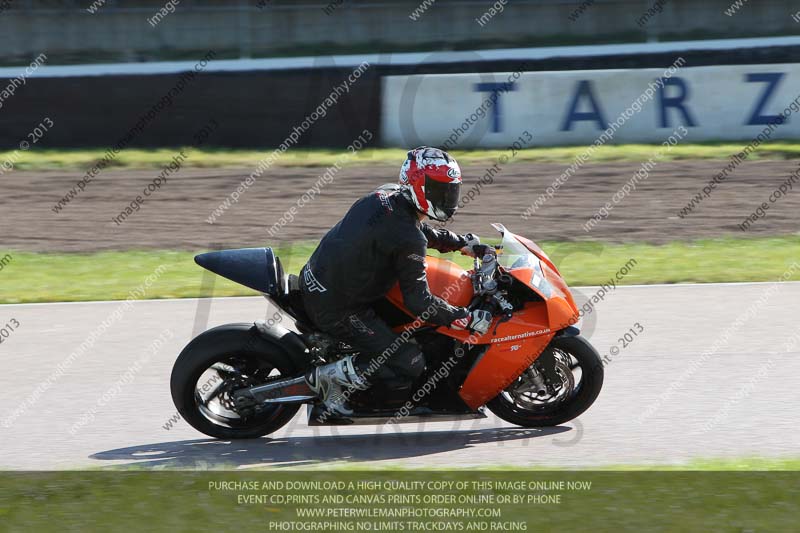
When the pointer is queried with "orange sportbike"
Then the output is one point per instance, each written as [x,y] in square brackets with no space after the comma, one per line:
[531,368]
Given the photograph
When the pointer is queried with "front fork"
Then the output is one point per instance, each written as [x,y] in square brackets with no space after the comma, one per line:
[543,373]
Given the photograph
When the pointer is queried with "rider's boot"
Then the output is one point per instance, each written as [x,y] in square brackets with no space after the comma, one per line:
[334,383]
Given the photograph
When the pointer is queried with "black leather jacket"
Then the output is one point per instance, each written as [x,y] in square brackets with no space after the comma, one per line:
[379,242]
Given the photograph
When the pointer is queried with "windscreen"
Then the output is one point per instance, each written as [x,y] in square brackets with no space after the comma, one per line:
[515,255]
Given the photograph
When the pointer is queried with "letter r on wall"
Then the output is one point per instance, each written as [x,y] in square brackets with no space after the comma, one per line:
[676,102]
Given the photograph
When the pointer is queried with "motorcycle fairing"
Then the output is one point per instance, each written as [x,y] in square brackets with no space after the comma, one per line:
[514,347]
[446,280]
[515,343]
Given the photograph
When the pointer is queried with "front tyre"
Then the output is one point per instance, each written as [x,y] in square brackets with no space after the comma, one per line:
[535,401]
[215,364]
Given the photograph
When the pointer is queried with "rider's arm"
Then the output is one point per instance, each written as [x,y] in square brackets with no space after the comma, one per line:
[410,268]
[443,240]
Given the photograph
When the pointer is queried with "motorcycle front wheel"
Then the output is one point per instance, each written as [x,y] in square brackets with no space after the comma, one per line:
[530,401]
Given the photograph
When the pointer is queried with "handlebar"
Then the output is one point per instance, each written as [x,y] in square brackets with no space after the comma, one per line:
[485,282]
[485,265]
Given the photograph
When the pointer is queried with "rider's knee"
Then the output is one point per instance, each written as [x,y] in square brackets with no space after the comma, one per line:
[409,362]
[399,370]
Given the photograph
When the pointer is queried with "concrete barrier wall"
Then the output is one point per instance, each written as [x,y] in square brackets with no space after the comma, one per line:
[568,108]
[253,109]
[259,109]
[120,30]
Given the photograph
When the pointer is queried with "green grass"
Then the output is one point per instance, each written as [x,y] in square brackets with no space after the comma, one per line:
[48,277]
[587,500]
[739,465]
[82,159]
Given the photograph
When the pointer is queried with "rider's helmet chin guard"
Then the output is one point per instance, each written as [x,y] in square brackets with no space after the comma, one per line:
[433,181]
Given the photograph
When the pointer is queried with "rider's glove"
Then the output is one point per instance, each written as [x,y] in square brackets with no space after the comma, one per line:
[472,241]
[477,321]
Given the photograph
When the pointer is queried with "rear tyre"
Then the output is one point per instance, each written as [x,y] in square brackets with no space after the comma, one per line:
[529,403]
[215,364]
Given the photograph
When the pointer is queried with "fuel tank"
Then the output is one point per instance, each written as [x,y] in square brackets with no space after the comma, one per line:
[446,280]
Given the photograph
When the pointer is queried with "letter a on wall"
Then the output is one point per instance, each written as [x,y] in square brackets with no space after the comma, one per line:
[584,91]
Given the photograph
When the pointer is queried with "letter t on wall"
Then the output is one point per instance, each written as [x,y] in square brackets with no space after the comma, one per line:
[495,89]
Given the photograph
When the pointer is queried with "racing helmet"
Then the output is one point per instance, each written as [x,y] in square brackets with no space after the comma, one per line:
[432,179]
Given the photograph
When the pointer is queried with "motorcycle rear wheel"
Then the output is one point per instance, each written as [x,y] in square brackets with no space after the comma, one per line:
[239,358]
[529,410]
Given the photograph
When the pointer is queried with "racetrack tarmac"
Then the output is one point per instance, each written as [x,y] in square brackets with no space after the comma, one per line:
[110,404]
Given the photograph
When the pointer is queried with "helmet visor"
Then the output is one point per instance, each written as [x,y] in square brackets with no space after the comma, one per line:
[443,197]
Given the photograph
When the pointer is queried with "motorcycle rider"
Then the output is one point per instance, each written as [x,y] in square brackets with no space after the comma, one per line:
[382,240]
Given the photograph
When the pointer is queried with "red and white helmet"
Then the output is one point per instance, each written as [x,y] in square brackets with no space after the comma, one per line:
[434,181]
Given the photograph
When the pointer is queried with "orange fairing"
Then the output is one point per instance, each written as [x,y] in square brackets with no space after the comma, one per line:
[561,306]
[446,280]
[517,343]
[514,344]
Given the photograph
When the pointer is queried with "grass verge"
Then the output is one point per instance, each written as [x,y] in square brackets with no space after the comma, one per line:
[51,277]
[426,500]
[82,159]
